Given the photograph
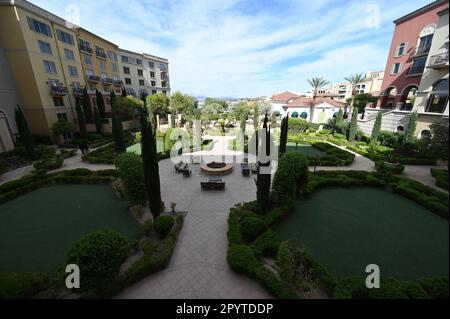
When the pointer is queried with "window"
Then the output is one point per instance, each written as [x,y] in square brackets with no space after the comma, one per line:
[153,92]
[104,76]
[164,84]
[439,97]
[39,27]
[425,135]
[141,82]
[69,54]
[114,68]
[400,129]
[138,61]
[103,65]
[401,49]
[164,92]
[73,70]
[58,101]
[140,72]
[112,56]
[152,74]
[87,59]
[49,67]
[62,116]
[124,58]
[89,73]
[162,66]
[100,52]
[126,70]
[425,44]
[418,65]
[64,37]
[76,85]
[45,47]
[128,81]
[396,68]
[151,65]
[85,46]
[53,82]
[153,83]
[115,78]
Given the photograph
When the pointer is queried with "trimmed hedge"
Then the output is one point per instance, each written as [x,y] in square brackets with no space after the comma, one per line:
[252,226]
[441,176]
[50,164]
[389,168]
[334,156]
[267,244]
[162,225]
[130,169]
[22,285]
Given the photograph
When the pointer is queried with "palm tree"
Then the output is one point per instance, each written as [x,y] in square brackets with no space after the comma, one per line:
[316,84]
[354,80]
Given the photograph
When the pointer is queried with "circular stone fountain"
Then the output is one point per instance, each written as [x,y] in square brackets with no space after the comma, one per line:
[216,168]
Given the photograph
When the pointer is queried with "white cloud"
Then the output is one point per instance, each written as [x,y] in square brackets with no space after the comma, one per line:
[218,50]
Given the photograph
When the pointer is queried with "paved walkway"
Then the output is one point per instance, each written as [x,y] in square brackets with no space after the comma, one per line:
[422,174]
[198,268]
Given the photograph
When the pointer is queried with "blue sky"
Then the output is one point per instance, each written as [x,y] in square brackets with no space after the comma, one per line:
[246,48]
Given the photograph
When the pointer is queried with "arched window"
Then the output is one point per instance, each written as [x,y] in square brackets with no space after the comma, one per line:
[425,39]
[400,129]
[439,97]
[304,115]
[294,114]
[425,134]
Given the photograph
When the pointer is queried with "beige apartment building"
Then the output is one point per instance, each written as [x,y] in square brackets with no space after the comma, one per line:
[371,84]
[42,52]
[143,73]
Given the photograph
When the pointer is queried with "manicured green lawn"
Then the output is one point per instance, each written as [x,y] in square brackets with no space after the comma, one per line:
[347,229]
[305,149]
[37,229]
[136,148]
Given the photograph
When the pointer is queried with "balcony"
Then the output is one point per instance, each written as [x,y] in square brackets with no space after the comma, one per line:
[58,90]
[107,81]
[118,83]
[86,49]
[438,61]
[93,79]
[100,54]
[78,91]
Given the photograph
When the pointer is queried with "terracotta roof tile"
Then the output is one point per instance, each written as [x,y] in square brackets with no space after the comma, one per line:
[284,97]
[307,101]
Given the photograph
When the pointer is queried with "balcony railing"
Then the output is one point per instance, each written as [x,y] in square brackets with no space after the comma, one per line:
[107,81]
[93,78]
[118,83]
[58,90]
[100,54]
[86,49]
[438,60]
[78,91]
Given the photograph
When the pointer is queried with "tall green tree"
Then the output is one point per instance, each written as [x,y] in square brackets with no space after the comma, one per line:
[264,178]
[353,125]
[411,128]
[25,136]
[157,104]
[117,128]
[316,83]
[100,103]
[354,80]
[81,119]
[376,128]
[340,123]
[284,134]
[243,122]
[87,107]
[150,163]
[256,117]
[97,121]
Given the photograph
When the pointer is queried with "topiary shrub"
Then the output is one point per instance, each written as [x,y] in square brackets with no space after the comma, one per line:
[252,226]
[267,244]
[291,177]
[285,260]
[241,259]
[130,170]
[163,225]
[389,168]
[99,256]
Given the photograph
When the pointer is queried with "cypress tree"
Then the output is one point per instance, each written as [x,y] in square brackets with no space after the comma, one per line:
[100,103]
[353,125]
[411,128]
[284,134]
[377,128]
[263,180]
[243,123]
[98,121]
[117,128]
[256,117]
[150,164]
[81,119]
[87,107]
[25,133]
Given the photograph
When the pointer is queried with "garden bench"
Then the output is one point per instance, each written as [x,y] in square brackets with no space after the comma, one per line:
[187,172]
[180,167]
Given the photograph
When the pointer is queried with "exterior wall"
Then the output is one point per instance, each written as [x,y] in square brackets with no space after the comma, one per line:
[433,74]
[107,77]
[374,81]
[407,31]
[343,89]
[9,98]
[152,74]
[391,120]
